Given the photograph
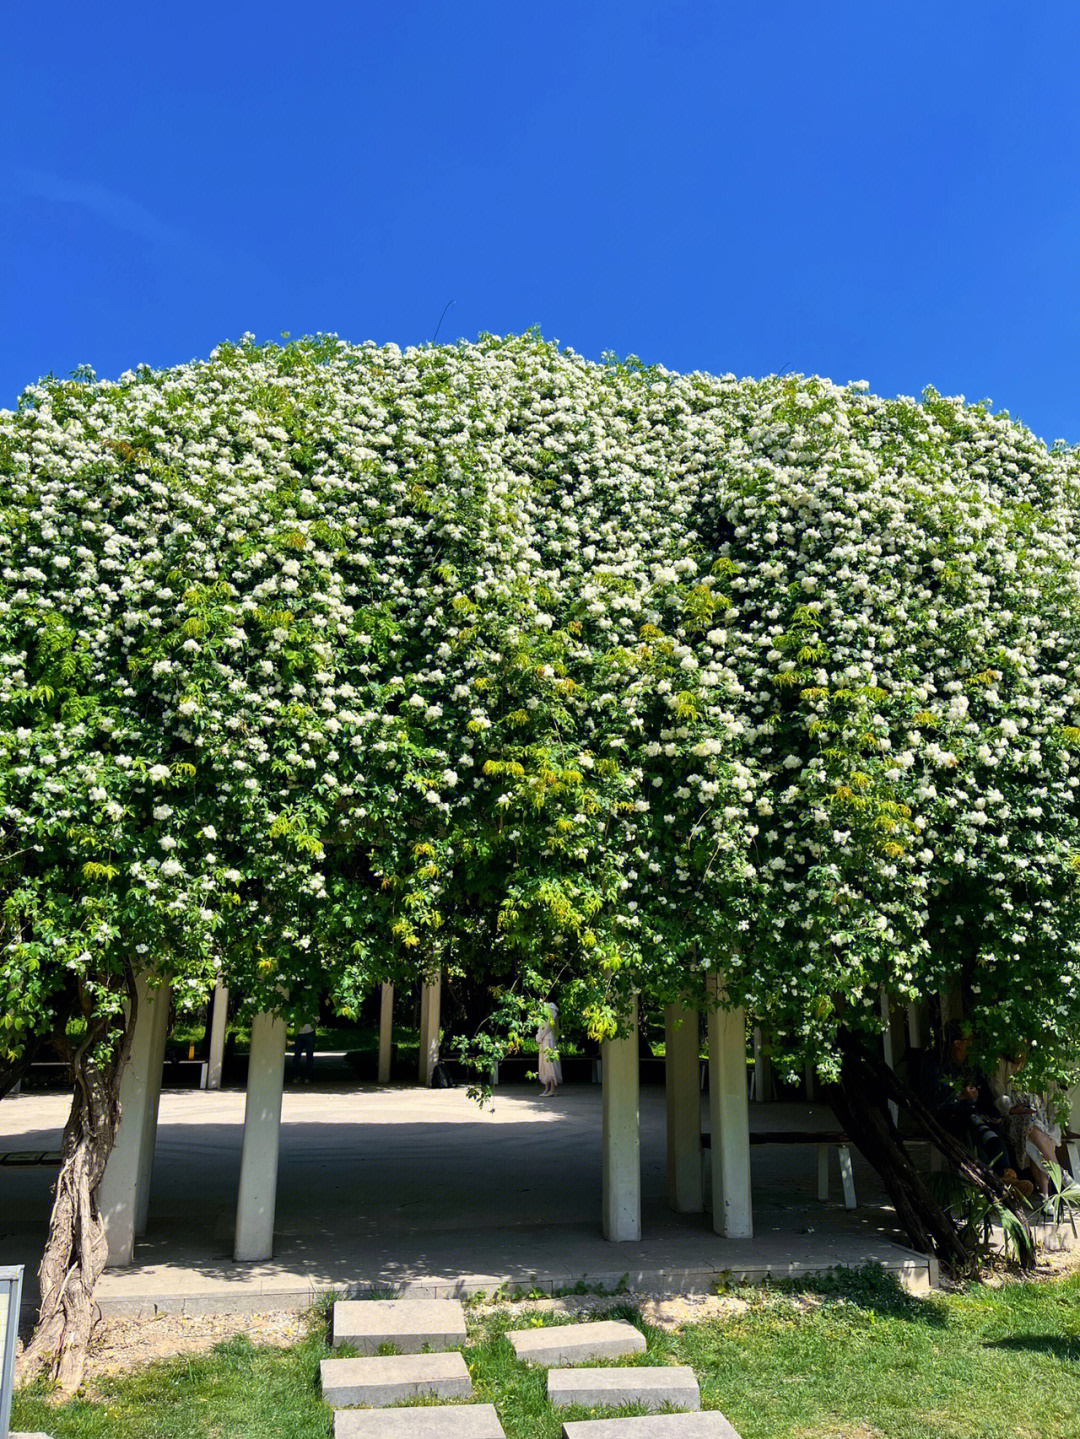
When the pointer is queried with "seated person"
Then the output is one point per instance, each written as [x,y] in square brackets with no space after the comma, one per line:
[1026,1124]
[958,1097]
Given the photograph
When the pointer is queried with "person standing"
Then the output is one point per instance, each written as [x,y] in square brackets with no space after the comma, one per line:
[303,1060]
[547,1042]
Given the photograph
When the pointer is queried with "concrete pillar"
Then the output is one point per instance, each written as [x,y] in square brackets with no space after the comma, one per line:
[892,1040]
[729,1120]
[916,1026]
[952,1005]
[118,1195]
[158,1036]
[621,1137]
[262,1138]
[386,1031]
[430,1007]
[682,1047]
[762,1069]
[219,1016]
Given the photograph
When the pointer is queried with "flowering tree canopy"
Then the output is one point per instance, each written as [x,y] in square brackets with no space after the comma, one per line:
[330,664]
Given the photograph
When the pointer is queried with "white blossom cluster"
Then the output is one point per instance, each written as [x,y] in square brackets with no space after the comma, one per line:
[330,663]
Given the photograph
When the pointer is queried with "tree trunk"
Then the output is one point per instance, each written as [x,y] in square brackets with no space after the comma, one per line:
[76,1249]
[866,1084]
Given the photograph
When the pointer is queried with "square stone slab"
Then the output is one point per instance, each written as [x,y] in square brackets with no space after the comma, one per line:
[710,1425]
[652,1388]
[443,1421]
[389,1380]
[577,1343]
[411,1325]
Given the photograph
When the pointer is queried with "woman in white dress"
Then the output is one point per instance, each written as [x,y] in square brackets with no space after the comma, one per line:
[547,1041]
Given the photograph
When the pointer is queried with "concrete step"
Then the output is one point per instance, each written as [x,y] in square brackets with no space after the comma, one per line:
[653,1388]
[560,1344]
[441,1421]
[411,1325]
[390,1379]
[709,1425]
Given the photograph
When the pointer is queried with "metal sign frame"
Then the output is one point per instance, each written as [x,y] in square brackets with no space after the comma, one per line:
[10,1299]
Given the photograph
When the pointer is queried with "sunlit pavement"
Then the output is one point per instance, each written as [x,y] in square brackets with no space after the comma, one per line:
[426,1192]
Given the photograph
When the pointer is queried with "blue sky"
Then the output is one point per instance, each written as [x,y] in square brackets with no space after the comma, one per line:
[875,191]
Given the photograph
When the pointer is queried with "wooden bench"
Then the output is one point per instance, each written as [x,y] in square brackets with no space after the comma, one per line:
[825,1139]
[31,1158]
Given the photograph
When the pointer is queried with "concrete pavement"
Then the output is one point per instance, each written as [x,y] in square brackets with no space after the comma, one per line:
[421,1192]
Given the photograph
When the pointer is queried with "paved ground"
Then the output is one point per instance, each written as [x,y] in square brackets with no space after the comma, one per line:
[421,1191]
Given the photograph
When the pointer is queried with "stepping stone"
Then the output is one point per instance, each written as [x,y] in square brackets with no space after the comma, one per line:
[409,1324]
[443,1421]
[577,1343]
[673,1385]
[710,1425]
[396,1377]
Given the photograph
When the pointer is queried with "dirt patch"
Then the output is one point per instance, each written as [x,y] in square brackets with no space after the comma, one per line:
[121,1344]
[672,1314]
[845,1431]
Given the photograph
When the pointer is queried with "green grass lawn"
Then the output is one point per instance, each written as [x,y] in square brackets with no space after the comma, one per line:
[846,1357]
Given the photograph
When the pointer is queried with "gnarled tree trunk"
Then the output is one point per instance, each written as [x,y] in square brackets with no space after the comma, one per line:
[866,1084]
[76,1250]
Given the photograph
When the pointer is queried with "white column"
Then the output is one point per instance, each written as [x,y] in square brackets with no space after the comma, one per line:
[218,1020]
[262,1138]
[891,1043]
[729,1121]
[916,1026]
[682,1047]
[952,1004]
[158,1035]
[762,1068]
[621,1138]
[386,1031]
[118,1192]
[430,1006]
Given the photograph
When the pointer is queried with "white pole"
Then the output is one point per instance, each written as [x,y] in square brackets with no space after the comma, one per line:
[890,1044]
[916,1028]
[262,1138]
[386,1031]
[952,1004]
[762,1068]
[430,1005]
[729,1120]
[621,1137]
[118,1192]
[218,1020]
[159,1034]
[682,1047]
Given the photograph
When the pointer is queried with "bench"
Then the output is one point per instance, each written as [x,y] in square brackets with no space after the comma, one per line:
[31,1158]
[825,1139]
